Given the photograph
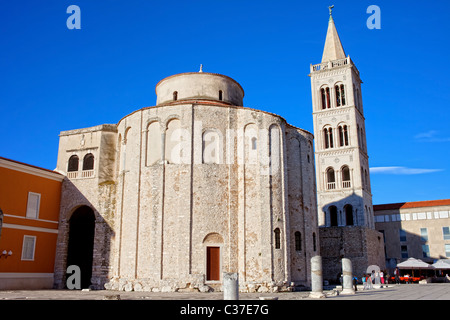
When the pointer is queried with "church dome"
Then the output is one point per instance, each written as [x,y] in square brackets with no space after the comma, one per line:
[199,86]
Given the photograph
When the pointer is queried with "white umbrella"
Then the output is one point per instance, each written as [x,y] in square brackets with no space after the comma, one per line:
[441,265]
[413,263]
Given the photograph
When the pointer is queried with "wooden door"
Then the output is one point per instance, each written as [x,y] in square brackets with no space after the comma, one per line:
[213,263]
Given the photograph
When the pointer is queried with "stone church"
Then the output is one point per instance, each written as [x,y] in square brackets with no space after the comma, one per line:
[175,194]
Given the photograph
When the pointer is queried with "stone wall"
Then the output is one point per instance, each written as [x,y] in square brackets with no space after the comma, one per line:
[363,246]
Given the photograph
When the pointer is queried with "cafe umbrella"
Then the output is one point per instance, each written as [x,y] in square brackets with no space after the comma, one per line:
[414,264]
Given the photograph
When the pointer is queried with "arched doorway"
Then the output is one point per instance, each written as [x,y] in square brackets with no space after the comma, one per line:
[349,214]
[333,216]
[81,242]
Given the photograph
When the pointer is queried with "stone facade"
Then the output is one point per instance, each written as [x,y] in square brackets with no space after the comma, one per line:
[345,213]
[193,187]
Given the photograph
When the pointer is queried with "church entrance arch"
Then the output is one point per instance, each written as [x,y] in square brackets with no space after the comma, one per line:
[213,243]
[81,242]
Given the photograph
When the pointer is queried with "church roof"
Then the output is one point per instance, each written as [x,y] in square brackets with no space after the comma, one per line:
[333,49]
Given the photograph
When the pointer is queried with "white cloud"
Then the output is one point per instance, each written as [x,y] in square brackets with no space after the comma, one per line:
[402,170]
[431,136]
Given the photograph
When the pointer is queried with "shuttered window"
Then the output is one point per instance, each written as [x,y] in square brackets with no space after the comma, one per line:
[29,243]
[34,200]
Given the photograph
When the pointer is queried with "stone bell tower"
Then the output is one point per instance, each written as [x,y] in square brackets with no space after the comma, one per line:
[345,212]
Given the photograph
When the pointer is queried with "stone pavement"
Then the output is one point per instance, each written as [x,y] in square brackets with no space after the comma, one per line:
[430,291]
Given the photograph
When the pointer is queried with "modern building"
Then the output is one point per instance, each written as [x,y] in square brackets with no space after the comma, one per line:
[344,198]
[29,201]
[414,230]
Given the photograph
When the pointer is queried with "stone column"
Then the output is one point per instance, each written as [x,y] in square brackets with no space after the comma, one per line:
[316,278]
[347,274]
[230,286]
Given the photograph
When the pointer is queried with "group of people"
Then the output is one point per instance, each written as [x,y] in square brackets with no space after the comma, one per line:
[369,279]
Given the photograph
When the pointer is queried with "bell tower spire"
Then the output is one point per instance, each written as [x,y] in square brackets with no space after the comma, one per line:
[333,49]
[344,195]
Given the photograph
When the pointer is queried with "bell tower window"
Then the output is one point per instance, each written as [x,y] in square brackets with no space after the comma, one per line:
[175,95]
[220,95]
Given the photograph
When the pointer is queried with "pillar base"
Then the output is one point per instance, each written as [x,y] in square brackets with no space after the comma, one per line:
[317,295]
[348,291]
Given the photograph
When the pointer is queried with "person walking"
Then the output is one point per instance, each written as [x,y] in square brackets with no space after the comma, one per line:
[355,283]
[369,281]
[396,275]
[363,279]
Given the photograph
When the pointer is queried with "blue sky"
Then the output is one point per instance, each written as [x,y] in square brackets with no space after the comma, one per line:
[54,79]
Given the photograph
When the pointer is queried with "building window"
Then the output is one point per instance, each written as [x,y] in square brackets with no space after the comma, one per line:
[277,238]
[331,179]
[328,137]
[404,252]
[425,251]
[446,233]
[33,204]
[298,241]
[175,95]
[220,95]
[424,234]
[28,248]
[73,164]
[343,135]
[323,98]
[346,183]
[88,162]
[402,235]
[447,250]
[340,95]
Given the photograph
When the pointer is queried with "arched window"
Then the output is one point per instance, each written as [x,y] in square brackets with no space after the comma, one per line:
[333,216]
[348,214]
[338,95]
[88,162]
[323,98]
[367,179]
[175,95]
[277,238]
[328,137]
[327,90]
[298,241]
[73,164]
[346,177]
[220,95]
[343,135]
[331,179]
[342,95]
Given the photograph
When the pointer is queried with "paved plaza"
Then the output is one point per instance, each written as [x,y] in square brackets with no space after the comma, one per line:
[430,291]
